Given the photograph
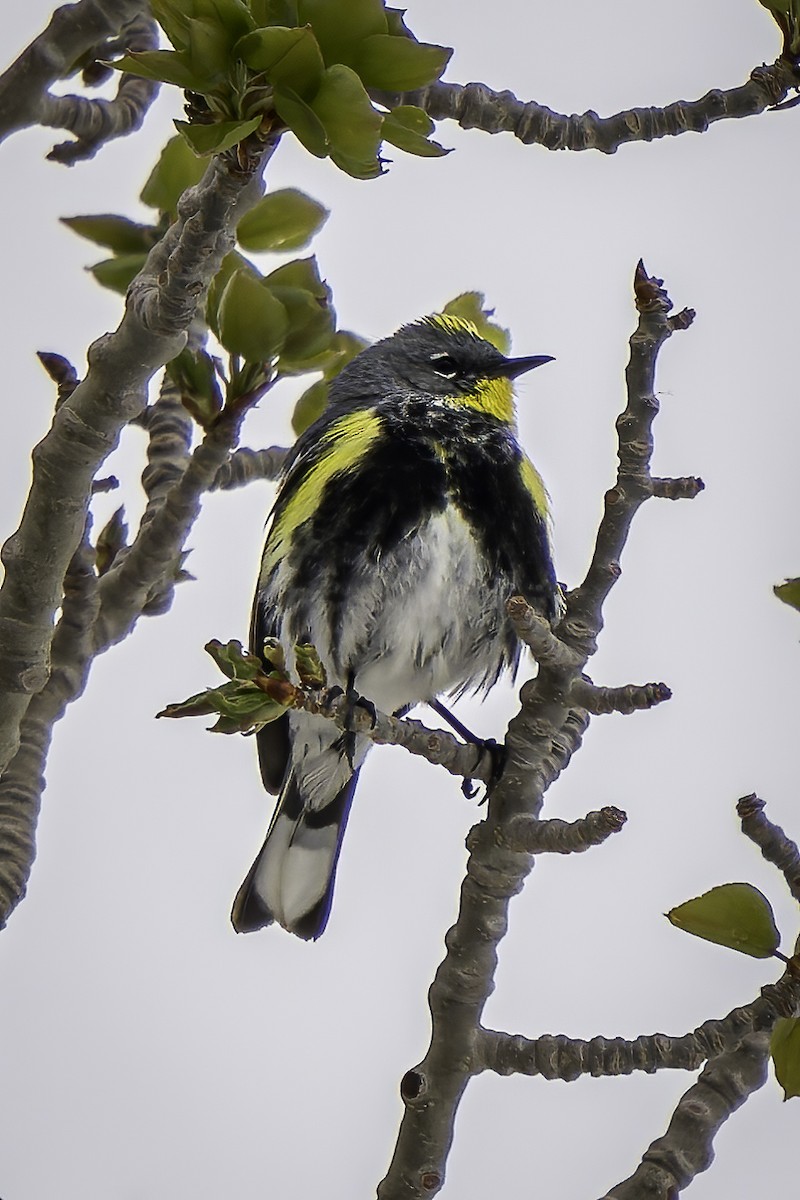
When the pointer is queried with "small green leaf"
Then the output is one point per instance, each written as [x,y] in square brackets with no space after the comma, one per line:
[230,16]
[174,20]
[166,66]
[408,127]
[193,373]
[340,27]
[177,169]
[311,323]
[789,592]
[233,660]
[300,273]
[230,264]
[274,12]
[352,125]
[116,233]
[117,273]
[302,120]
[252,323]
[209,54]
[784,1047]
[213,139]
[736,915]
[309,406]
[284,220]
[290,58]
[470,306]
[399,64]
[309,666]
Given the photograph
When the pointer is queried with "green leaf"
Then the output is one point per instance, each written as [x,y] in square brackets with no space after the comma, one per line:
[408,127]
[193,373]
[174,20]
[309,406]
[209,53]
[252,323]
[736,915]
[784,1047]
[230,264]
[116,233]
[399,64]
[230,16]
[789,592]
[352,125]
[303,122]
[340,27]
[290,58]
[470,306]
[213,139]
[176,169]
[300,273]
[274,12]
[284,220]
[233,660]
[309,666]
[311,324]
[117,273]
[166,66]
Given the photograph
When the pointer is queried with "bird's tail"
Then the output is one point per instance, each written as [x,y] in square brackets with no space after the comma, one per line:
[292,879]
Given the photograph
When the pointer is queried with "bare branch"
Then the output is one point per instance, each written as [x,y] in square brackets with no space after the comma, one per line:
[95,122]
[529,834]
[476,106]
[775,845]
[685,488]
[628,699]
[540,742]
[161,304]
[534,630]
[246,465]
[74,30]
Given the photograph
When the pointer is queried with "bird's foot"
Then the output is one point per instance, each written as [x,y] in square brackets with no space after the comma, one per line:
[497,757]
[354,701]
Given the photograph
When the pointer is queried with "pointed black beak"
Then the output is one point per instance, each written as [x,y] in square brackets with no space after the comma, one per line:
[512,367]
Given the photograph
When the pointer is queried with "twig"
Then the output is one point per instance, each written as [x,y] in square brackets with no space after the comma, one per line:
[533,836]
[95,122]
[476,106]
[73,31]
[775,845]
[247,465]
[540,742]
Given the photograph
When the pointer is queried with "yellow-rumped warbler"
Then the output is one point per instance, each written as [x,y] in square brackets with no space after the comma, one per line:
[406,517]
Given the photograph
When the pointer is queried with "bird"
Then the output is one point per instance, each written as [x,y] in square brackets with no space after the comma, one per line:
[405,518]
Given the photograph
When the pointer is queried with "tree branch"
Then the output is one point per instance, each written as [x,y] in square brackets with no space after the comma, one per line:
[540,742]
[76,29]
[532,836]
[95,122]
[246,465]
[161,304]
[476,106]
[776,846]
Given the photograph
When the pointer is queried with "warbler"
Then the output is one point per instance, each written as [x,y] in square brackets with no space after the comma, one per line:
[406,517]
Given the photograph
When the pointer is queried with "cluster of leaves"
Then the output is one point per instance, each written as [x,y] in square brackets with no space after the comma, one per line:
[787,17]
[266,66]
[259,690]
[739,916]
[281,324]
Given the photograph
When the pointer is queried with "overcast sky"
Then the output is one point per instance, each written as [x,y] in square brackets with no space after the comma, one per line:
[146,1051]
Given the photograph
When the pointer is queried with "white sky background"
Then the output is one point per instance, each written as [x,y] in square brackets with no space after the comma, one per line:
[146,1051]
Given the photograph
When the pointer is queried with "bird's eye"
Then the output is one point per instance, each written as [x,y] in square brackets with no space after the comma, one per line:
[444,365]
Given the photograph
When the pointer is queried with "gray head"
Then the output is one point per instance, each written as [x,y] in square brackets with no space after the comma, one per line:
[438,356]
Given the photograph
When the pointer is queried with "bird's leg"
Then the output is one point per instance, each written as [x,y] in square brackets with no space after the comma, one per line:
[354,701]
[496,752]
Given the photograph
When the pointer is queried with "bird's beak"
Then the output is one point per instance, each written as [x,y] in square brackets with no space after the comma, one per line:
[512,367]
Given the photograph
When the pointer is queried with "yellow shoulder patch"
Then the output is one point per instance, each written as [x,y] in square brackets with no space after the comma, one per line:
[534,486]
[345,441]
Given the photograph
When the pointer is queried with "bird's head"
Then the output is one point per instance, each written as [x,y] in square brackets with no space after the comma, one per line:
[442,358]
